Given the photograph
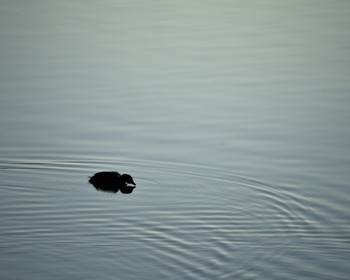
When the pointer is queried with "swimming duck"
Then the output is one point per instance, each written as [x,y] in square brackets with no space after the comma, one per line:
[113,181]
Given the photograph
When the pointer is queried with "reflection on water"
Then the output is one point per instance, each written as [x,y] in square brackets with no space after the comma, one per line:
[231,116]
[113,189]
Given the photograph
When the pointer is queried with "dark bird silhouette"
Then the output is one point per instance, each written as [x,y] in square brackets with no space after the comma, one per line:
[112,181]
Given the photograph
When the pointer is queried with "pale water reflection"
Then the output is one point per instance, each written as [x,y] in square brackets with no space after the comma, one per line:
[231,116]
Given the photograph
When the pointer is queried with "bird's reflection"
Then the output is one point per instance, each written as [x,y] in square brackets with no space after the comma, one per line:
[113,182]
[113,189]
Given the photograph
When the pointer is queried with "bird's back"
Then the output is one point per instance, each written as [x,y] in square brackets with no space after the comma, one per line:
[105,177]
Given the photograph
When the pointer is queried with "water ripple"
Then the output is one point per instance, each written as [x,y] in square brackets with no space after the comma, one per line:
[194,221]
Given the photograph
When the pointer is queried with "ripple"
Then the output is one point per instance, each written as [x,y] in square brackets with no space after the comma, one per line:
[190,220]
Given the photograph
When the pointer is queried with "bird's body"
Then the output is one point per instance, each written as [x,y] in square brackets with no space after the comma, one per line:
[113,181]
[106,177]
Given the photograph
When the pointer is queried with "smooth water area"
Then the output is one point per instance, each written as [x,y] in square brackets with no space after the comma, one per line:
[232,117]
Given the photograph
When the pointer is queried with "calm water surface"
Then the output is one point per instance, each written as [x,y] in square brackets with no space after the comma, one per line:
[231,116]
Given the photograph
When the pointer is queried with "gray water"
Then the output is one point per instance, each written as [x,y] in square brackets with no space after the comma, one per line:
[232,117]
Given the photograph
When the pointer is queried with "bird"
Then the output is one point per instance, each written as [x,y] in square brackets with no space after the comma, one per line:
[113,181]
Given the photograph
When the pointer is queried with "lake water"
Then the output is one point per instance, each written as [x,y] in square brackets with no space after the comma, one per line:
[232,117]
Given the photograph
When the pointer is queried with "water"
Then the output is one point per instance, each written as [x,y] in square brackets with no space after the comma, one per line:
[232,118]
